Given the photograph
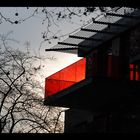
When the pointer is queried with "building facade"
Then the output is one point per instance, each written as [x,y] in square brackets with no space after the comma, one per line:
[102,89]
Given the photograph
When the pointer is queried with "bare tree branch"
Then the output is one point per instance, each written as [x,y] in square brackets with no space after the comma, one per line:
[19,107]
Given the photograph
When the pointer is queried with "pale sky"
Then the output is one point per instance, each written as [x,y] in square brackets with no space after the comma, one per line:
[31,29]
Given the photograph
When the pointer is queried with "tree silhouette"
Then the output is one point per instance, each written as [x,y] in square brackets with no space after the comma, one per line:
[21,107]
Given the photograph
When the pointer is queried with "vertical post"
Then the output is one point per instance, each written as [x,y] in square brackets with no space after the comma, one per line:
[138,71]
[109,66]
[124,56]
[115,57]
[91,64]
[134,71]
[102,60]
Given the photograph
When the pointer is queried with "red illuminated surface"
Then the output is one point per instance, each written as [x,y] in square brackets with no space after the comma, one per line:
[77,71]
[134,74]
[65,78]
[113,69]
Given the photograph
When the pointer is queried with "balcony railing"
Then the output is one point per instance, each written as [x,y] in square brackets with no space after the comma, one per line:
[76,72]
[65,78]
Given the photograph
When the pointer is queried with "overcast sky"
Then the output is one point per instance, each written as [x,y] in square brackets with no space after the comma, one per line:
[31,31]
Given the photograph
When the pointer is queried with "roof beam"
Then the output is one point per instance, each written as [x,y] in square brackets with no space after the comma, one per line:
[120,15]
[71,44]
[80,37]
[98,31]
[57,49]
[108,23]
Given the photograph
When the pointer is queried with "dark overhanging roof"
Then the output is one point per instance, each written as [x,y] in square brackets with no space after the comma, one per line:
[99,31]
[128,20]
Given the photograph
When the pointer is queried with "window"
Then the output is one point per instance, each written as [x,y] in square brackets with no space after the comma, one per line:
[134,73]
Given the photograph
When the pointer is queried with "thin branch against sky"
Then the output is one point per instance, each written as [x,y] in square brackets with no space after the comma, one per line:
[33,22]
[30,29]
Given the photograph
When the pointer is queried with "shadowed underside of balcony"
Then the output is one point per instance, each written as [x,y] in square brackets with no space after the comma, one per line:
[98,94]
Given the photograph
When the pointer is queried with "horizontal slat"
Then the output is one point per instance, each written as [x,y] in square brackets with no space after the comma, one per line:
[120,15]
[80,37]
[109,23]
[57,49]
[98,31]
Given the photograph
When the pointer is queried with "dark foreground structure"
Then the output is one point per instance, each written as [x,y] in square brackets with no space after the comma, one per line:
[102,90]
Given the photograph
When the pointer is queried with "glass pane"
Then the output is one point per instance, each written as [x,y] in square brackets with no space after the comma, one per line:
[68,73]
[137,75]
[131,66]
[65,84]
[55,76]
[80,70]
[131,75]
[65,78]
[52,86]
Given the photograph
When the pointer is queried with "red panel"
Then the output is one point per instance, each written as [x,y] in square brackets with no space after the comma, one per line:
[55,76]
[65,78]
[80,70]
[131,66]
[68,74]
[65,84]
[52,87]
[113,66]
[137,75]
[131,75]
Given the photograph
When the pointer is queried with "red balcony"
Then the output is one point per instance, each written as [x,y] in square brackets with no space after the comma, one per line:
[76,72]
[65,78]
